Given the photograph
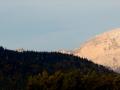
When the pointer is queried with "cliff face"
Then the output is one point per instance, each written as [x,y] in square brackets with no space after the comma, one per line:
[103,49]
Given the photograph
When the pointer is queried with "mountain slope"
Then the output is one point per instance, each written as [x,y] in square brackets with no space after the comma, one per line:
[104,49]
[35,62]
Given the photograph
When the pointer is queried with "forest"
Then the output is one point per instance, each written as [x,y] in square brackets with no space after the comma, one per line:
[32,70]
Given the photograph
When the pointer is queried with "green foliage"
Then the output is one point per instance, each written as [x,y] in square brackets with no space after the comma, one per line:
[74,80]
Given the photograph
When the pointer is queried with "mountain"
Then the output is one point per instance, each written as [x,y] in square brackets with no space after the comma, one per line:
[103,49]
[35,62]
[20,50]
[63,51]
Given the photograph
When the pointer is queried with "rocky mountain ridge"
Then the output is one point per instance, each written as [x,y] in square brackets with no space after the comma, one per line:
[103,49]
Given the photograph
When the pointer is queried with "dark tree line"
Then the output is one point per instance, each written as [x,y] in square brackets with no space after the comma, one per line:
[16,67]
[74,80]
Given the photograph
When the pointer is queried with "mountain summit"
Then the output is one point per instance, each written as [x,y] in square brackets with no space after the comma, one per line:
[103,49]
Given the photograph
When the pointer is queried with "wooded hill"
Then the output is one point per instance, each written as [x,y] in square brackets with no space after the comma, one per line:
[16,68]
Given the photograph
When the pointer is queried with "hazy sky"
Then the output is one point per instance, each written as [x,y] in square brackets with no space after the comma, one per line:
[55,24]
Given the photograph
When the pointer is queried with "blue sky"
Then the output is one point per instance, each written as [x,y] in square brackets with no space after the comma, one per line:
[55,24]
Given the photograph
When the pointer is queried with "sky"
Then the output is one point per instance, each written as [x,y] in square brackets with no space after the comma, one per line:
[48,25]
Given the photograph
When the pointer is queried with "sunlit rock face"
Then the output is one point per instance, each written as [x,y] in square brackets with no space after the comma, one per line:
[65,51]
[20,50]
[103,49]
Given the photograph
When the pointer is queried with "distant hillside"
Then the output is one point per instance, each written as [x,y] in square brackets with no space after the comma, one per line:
[30,62]
[15,67]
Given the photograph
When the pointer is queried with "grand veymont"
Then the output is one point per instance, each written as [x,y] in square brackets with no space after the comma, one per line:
[102,49]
